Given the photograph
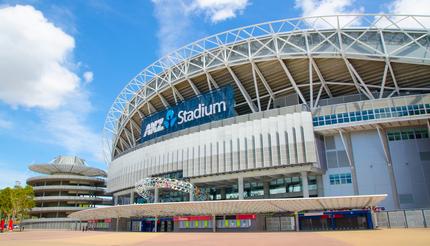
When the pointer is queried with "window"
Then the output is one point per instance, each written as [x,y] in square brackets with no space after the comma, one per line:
[343,178]
[277,186]
[407,134]
[378,113]
[253,189]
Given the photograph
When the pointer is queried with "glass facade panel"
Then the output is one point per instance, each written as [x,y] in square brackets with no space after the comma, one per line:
[378,113]
[407,134]
[343,178]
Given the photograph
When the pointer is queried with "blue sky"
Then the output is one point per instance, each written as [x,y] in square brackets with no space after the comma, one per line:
[62,63]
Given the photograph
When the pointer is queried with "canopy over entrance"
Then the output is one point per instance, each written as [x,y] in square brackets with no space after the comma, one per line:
[226,207]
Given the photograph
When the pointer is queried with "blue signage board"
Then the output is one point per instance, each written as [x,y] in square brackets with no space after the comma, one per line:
[215,105]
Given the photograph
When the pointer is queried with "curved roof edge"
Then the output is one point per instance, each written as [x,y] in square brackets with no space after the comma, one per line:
[122,103]
[67,165]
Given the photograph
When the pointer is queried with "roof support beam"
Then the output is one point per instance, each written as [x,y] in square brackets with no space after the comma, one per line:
[321,78]
[393,77]
[319,95]
[355,76]
[384,142]
[193,86]
[242,90]
[346,141]
[263,80]
[141,114]
[130,138]
[211,80]
[135,125]
[132,132]
[163,100]
[292,81]
[151,108]
[388,63]
[311,86]
[384,79]
[176,94]
[257,94]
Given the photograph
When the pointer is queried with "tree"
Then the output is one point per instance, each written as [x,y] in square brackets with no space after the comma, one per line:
[5,203]
[16,202]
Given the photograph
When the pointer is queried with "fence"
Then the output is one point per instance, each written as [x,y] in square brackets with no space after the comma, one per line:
[414,218]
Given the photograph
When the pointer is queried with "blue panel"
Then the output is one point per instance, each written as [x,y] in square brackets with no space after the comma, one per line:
[212,106]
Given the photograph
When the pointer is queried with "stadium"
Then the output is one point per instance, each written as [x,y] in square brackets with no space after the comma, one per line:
[307,123]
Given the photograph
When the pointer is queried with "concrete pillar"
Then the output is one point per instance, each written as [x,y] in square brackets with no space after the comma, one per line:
[192,194]
[374,218]
[156,195]
[155,223]
[132,197]
[115,200]
[305,186]
[213,223]
[320,186]
[223,196]
[266,188]
[296,218]
[117,223]
[240,187]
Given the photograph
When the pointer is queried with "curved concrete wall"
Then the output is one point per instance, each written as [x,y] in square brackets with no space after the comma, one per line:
[251,142]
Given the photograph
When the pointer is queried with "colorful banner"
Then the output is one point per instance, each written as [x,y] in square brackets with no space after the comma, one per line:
[215,105]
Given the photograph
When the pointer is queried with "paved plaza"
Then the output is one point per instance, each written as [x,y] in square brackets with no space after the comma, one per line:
[390,237]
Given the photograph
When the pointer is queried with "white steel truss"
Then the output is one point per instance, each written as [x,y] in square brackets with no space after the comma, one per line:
[382,37]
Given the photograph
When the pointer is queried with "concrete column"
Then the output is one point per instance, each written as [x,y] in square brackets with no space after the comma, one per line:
[117,223]
[214,223]
[132,197]
[240,187]
[192,194]
[320,186]
[305,186]
[374,218]
[115,200]
[223,196]
[156,195]
[296,218]
[266,188]
[155,223]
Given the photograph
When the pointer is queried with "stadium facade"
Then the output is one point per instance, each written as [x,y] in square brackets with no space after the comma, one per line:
[310,107]
[68,185]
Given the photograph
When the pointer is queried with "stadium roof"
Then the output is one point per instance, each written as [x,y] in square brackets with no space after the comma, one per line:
[69,165]
[312,57]
[228,207]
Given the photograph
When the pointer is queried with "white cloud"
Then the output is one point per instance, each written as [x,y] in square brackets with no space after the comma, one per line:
[36,71]
[174,18]
[219,10]
[33,59]
[9,175]
[415,7]
[88,76]
[330,7]
[4,123]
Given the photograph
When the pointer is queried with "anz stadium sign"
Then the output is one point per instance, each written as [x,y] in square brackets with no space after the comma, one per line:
[212,106]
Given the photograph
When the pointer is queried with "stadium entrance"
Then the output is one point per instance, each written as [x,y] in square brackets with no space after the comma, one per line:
[336,220]
[286,214]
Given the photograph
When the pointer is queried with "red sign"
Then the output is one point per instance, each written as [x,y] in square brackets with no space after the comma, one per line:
[191,218]
[108,220]
[246,216]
